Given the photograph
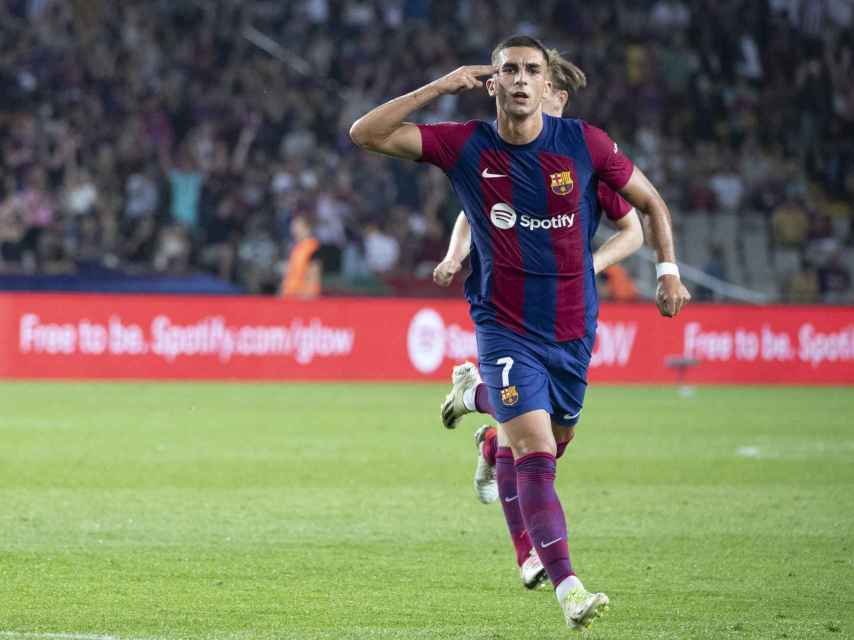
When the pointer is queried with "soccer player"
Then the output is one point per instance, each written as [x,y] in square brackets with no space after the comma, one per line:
[566,79]
[528,184]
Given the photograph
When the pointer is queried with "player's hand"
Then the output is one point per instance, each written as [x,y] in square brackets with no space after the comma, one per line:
[444,272]
[464,78]
[671,295]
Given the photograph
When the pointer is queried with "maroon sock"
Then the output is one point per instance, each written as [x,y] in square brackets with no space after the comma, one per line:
[561,447]
[505,474]
[481,400]
[543,513]
[490,446]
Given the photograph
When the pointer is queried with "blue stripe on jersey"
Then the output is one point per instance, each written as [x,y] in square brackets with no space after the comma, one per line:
[478,285]
[529,199]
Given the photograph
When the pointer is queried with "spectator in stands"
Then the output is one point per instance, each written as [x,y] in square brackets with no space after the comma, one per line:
[716,268]
[185,183]
[822,241]
[172,254]
[139,247]
[381,249]
[303,270]
[136,84]
[834,281]
[728,185]
[141,193]
[618,285]
[218,235]
[258,256]
[11,235]
[790,224]
[804,286]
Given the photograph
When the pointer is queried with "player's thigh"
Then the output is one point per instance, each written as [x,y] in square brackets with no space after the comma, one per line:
[530,432]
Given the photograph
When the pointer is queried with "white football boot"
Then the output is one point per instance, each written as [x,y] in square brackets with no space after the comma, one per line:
[581,608]
[464,377]
[485,484]
[533,572]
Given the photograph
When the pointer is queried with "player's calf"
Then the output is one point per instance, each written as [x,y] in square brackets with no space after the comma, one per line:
[485,483]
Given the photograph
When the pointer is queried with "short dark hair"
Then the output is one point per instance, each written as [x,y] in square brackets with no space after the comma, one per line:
[520,41]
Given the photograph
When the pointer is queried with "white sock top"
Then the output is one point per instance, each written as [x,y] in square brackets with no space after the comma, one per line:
[568,584]
[468,398]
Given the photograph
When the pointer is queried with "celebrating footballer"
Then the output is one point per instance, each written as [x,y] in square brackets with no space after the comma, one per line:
[528,183]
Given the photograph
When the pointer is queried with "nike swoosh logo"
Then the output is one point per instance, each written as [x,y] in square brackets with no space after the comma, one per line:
[511,499]
[486,174]
[548,544]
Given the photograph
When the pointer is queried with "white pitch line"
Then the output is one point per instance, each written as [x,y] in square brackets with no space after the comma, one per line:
[55,636]
[749,452]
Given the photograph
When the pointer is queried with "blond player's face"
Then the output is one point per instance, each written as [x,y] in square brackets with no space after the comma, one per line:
[521,81]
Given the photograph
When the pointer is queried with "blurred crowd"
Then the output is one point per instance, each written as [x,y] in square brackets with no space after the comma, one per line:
[179,136]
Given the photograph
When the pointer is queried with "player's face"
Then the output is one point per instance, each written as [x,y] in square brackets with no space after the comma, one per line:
[554,101]
[520,83]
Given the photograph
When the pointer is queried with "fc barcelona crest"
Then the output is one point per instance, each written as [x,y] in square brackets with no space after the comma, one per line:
[561,182]
[509,396]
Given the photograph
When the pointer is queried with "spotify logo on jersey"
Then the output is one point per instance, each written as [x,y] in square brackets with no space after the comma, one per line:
[502,215]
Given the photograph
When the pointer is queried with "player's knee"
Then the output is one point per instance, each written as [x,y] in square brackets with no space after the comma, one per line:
[525,447]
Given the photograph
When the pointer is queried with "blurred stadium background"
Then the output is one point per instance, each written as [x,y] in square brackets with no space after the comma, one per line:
[180,138]
[177,147]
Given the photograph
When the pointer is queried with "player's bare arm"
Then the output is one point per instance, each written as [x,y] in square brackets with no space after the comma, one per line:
[627,240]
[671,295]
[383,129]
[458,250]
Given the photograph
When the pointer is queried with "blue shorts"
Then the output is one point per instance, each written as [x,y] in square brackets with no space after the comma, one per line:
[523,374]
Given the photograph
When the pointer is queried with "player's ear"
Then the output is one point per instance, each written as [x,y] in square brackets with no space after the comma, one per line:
[490,87]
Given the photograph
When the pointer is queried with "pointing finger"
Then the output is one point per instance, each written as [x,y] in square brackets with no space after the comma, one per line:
[483,69]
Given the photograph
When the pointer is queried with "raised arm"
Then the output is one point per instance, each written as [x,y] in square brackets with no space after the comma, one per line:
[383,130]
[627,240]
[458,249]
[671,295]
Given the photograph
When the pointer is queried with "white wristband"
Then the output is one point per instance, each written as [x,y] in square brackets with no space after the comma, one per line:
[666,269]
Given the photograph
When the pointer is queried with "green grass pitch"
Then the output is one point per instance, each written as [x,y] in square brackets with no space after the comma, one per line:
[334,512]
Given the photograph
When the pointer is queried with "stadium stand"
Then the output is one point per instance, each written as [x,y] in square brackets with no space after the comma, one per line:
[181,137]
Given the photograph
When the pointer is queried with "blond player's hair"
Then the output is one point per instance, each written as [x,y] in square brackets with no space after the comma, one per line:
[565,76]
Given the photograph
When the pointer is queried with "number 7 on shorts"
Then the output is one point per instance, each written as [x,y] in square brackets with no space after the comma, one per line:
[507,363]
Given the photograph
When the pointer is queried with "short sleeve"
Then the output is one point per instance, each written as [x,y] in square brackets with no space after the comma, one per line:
[611,165]
[612,203]
[442,143]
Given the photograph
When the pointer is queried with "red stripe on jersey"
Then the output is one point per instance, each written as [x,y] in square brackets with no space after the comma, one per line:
[609,163]
[567,239]
[508,277]
[612,203]
[441,143]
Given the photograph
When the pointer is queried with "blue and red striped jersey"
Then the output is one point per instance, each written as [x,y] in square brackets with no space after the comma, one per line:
[533,211]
